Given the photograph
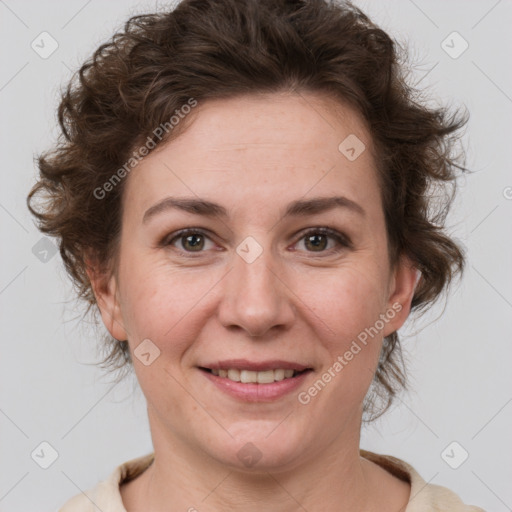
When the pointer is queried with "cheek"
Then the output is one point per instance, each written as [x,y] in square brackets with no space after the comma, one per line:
[350,362]
[164,303]
[346,300]
[347,306]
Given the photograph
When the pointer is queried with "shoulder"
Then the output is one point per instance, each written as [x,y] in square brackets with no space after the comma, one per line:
[424,497]
[106,495]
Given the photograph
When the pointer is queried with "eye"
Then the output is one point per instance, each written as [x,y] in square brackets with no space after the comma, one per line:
[317,240]
[190,240]
[194,240]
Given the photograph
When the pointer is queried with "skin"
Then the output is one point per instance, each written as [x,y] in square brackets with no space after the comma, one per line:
[254,155]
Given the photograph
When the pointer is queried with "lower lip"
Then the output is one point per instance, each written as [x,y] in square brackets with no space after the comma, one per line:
[253,392]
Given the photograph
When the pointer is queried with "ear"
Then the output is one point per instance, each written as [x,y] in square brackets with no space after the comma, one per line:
[404,279]
[105,290]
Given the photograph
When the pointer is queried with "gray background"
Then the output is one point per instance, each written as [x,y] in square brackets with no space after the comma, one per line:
[459,365]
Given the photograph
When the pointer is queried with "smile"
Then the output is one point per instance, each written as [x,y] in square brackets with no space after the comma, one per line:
[248,376]
[256,382]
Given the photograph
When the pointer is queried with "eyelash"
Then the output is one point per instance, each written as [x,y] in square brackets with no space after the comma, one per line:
[342,240]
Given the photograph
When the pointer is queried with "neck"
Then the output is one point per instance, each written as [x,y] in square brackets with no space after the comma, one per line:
[335,479]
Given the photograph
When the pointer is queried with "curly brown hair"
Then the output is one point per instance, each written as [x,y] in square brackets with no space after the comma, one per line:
[211,49]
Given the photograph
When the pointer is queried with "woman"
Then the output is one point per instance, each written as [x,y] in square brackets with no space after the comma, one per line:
[242,193]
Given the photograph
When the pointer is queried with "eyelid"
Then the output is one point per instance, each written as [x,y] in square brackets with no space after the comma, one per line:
[170,239]
[344,242]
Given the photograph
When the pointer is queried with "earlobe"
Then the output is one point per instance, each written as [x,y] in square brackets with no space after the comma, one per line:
[404,281]
[105,290]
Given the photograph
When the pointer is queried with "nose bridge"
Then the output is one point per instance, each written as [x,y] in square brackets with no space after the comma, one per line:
[254,268]
[255,297]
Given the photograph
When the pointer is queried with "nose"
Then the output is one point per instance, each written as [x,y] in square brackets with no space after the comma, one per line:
[256,298]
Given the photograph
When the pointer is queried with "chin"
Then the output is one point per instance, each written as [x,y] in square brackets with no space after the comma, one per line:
[261,447]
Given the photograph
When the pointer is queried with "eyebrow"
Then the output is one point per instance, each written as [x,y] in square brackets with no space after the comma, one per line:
[298,208]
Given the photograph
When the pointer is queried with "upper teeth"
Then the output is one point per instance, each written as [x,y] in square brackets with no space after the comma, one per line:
[247,376]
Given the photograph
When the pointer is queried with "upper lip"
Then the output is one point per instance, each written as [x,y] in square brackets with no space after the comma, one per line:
[256,366]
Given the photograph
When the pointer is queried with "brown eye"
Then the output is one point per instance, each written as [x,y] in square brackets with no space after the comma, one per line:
[195,242]
[317,240]
[189,240]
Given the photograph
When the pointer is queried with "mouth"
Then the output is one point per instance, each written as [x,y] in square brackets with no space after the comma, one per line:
[256,382]
[255,377]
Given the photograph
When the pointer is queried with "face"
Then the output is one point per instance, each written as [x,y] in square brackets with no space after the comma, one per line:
[278,276]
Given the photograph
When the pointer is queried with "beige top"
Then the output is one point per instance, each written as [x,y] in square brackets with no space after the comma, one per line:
[424,497]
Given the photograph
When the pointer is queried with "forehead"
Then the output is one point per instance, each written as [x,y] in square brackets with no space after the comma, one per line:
[255,149]
[247,123]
